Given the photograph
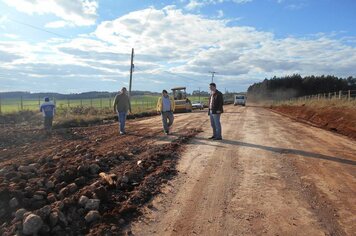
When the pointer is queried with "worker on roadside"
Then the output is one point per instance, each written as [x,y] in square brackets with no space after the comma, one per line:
[48,110]
[216,102]
[166,106]
[122,106]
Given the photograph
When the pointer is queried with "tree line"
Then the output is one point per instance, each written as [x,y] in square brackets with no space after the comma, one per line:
[85,95]
[279,88]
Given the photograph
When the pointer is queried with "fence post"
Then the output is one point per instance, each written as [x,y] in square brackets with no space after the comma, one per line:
[0,104]
[39,101]
[348,97]
[81,102]
[340,92]
[91,102]
[68,102]
[101,103]
[21,104]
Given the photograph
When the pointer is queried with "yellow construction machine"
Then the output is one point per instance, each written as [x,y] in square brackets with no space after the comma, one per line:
[182,103]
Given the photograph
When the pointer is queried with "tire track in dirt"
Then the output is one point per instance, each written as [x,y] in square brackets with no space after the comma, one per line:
[269,176]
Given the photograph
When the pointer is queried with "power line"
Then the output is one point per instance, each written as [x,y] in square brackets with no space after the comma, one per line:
[37,28]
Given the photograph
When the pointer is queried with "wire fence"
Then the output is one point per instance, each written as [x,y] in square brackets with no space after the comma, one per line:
[340,95]
[138,103]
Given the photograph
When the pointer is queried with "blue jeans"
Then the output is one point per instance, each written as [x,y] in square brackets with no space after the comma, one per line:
[122,120]
[216,125]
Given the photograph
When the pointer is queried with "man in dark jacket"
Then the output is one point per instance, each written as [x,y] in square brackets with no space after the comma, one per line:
[216,102]
[122,106]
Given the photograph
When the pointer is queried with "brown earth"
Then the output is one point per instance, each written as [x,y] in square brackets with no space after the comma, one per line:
[336,119]
[269,176]
[40,171]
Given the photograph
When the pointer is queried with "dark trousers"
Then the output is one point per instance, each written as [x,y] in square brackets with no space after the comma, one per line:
[167,120]
[48,121]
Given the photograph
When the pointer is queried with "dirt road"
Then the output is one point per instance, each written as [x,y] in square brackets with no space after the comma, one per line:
[269,176]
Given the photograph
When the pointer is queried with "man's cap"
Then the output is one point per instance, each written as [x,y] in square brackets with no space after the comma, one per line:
[164,91]
[46,99]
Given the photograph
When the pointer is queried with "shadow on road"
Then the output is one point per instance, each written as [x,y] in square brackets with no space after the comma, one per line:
[204,141]
[290,151]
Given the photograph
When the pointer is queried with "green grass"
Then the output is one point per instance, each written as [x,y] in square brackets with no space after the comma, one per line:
[138,103]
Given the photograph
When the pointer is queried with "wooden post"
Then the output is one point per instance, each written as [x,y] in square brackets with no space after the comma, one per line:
[334,94]
[81,102]
[0,104]
[131,70]
[340,92]
[91,102]
[348,97]
[68,102]
[21,104]
[101,103]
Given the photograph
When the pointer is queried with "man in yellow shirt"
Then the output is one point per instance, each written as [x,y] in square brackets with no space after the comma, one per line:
[166,106]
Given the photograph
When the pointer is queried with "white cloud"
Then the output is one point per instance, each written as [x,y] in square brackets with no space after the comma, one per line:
[58,24]
[180,43]
[77,12]
[11,36]
[196,4]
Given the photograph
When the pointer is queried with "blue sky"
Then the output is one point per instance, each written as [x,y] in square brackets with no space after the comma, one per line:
[84,45]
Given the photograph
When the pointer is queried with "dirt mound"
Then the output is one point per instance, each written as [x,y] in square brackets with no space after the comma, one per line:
[336,119]
[83,181]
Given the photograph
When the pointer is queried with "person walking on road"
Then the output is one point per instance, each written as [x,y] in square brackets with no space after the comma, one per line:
[166,106]
[48,110]
[216,102]
[122,106]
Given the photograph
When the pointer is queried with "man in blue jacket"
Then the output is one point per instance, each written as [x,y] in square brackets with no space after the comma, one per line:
[48,109]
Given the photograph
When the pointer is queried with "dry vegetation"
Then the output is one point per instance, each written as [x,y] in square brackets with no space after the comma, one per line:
[319,103]
[337,115]
[68,117]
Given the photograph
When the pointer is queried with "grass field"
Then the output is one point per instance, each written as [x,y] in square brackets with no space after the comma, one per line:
[138,103]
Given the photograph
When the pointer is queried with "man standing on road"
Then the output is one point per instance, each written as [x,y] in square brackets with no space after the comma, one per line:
[48,109]
[216,102]
[122,106]
[166,106]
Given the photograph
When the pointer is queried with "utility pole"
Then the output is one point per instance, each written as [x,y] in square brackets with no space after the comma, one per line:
[131,70]
[199,94]
[212,75]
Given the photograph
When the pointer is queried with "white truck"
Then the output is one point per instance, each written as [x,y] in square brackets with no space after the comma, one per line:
[240,99]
